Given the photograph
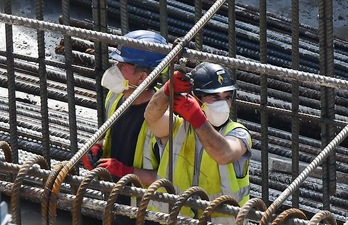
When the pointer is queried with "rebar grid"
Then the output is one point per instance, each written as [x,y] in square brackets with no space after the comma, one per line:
[240,64]
[295,184]
[246,65]
[96,206]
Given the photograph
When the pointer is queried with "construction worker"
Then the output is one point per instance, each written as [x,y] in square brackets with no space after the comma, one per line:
[127,146]
[209,149]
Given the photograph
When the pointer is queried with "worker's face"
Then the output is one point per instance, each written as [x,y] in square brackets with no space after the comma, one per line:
[130,73]
[211,98]
[217,107]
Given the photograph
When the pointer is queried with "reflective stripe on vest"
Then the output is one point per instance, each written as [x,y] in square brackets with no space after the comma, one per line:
[111,102]
[180,180]
[147,158]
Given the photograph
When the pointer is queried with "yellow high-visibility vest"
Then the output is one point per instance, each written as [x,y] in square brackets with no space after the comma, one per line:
[144,157]
[215,179]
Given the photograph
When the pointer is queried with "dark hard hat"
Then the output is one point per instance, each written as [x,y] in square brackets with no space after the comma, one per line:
[212,78]
[138,56]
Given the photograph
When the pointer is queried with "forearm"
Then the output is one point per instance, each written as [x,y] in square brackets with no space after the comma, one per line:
[157,116]
[216,145]
[147,177]
[156,107]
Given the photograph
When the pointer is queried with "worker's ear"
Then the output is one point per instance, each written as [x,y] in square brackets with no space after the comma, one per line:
[142,77]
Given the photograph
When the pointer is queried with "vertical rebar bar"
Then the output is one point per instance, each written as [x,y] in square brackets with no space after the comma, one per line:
[232,51]
[163,12]
[327,96]
[124,16]
[330,92]
[263,101]
[11,82]
[295,98]
[198,15]
[323,102]
[70,81]
[163,8]
[96,15]
[101,94]
[43,85]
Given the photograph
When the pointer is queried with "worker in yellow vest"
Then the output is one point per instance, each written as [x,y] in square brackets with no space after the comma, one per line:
[128,145]
[209,149]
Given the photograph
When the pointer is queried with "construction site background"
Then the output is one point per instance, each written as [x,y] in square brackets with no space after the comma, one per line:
[273,134]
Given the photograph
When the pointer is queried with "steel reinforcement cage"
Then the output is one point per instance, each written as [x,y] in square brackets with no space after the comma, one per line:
[292,97]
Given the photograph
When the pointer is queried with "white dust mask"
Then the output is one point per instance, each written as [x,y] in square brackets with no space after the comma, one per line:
[217,112]
[114,81]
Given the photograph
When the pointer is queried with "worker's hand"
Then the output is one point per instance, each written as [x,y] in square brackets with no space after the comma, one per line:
[182,83]
[188,107]
[115,167]
[92,156]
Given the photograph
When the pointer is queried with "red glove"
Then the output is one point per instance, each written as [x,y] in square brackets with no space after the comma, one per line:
[182,83]
[92,156]
[188,107]
[115,167]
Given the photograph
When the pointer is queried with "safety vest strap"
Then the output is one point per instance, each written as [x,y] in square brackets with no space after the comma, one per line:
[144,157]
[233,186]
[111,103]
[147,158]
[178,141]
[181,130]
[110,99]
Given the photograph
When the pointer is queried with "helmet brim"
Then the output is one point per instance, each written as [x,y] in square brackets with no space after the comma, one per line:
[117,57]
[138,62]
[216,90]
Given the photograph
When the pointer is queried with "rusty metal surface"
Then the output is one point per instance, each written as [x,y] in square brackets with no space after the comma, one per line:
[94,205]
